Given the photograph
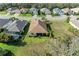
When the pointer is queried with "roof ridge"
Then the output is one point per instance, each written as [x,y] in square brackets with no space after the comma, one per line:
[39,24]
[42,24]
[11,24]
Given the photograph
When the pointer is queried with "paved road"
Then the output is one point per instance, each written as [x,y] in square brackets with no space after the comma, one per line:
[49,17]
[63,17]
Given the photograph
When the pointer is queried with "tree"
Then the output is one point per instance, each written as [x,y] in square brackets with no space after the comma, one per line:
[5,52]
[4,37]
[68,19]
[13,19]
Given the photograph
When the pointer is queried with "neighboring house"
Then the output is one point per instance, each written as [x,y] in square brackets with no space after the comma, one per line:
[67,11]
[46,11]
[17,11]
[58,11]
[34,11]
[37,27]
[10,10]
[74,21]
[13,11]
[24,10]
[14,28]
[75,10]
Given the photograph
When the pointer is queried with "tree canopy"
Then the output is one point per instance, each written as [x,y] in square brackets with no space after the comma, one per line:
[5,6]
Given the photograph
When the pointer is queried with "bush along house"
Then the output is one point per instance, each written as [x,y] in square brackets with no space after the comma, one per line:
[14,27]
[37,28]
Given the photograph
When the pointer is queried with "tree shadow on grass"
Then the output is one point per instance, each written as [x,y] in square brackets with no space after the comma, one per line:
[25,31]
[17,43]
[50,30]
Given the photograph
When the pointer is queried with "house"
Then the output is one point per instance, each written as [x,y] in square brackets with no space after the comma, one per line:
[17,11]
[74,21]
[10,10]
[34,11]
[58,11]
[46,11]
[75,10]
[14,28]
[13,11]
[24,10]
[67,11]
[37,28]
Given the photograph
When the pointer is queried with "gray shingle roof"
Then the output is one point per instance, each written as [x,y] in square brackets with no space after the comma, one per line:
[3,22]
[45,10]
[34,11]
[11,9]
[58,11]
[14,10]
[17,26]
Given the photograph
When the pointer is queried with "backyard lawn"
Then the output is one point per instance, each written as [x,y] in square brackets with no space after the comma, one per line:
[40,45]
[60,28]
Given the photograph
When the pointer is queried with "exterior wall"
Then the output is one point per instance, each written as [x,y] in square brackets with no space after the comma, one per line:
[31,34]
[38,34]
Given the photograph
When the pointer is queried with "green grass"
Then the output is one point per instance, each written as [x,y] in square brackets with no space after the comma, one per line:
[36,39]
[9,47]
[34,42]
[25,15]
[60,28]
[3,12]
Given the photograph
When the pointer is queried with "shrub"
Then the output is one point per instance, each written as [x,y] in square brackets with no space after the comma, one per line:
[4,37]
[5,52]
